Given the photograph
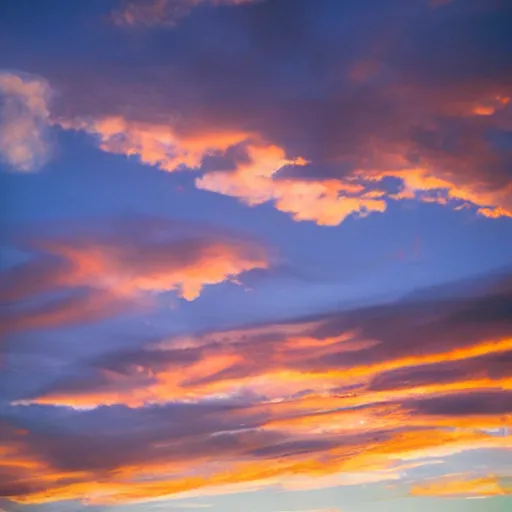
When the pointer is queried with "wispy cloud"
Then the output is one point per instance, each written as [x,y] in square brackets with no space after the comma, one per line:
[465,486]
[125,264]
[152,13]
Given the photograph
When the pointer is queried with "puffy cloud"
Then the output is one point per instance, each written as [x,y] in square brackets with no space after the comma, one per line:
[24,115]
[255,177]
[261,175]
[442,189]
[326,202]
[162,12]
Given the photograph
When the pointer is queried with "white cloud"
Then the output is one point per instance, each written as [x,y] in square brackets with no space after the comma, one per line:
[24,118]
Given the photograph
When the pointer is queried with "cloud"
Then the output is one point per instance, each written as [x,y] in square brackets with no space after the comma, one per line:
[426,186]
[356,359]
[155,144]
[258,177]
[24,115]
[162,12]
[379,124]
[125,264]
[355,397]
[276,114]
[79,308]
[326,202]
[109,467]
[461,486]
[253,180]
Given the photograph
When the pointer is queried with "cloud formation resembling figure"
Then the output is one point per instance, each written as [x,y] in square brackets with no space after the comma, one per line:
[24,119]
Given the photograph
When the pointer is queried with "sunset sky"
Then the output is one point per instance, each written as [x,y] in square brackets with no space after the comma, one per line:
[256,255]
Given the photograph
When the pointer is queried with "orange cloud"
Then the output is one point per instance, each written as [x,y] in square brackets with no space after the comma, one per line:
[456,486]
[159,145]
[256,181]
[186,269]
[227,363]
[326,202]
[490,107]
[130,267]
[436,187]
[105,276]
[24,115]
[294,406]
[305,419]
[350,463]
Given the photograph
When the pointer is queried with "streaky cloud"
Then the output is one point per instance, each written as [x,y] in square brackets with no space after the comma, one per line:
[300,405]
[118,267]
[151,13]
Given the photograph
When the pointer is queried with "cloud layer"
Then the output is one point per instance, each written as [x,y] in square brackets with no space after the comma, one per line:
[356,397]
[324,138]
[144,358]
[320,139]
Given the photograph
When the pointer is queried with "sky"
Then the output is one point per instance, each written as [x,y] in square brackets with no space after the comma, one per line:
[255,255]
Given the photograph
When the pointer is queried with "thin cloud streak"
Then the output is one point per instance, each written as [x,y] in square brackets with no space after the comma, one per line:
[460,486]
